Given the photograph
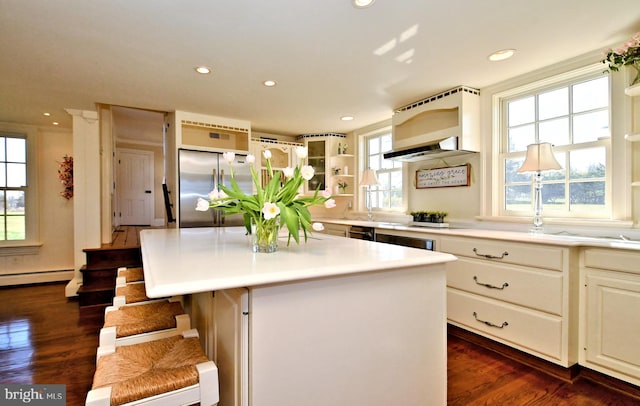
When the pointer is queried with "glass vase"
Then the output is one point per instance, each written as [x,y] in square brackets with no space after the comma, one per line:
[264,235]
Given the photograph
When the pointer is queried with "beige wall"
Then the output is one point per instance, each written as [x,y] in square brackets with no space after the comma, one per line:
[56,213]
[55,217]
[635,162]
[461,202]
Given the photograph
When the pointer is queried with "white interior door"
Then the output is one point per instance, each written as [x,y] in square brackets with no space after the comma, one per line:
[135,187]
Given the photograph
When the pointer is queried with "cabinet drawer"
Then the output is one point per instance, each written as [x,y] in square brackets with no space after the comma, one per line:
[616,260]
[535,288]
[525,329]
[535,255]
[336,229]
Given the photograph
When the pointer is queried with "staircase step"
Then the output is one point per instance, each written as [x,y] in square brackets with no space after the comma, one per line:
[98,277]
[95,296]
[101,258]
[100,272]
[97,285]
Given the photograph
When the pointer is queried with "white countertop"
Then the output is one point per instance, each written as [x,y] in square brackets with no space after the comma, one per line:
[551,239]
[190,260]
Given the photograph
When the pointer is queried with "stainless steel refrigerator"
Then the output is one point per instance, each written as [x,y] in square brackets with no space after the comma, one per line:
[199,173]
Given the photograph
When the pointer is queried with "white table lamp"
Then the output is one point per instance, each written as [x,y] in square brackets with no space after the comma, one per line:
[539,158]
[369,179]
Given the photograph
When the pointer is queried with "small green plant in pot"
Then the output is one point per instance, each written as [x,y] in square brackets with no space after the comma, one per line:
[438,216]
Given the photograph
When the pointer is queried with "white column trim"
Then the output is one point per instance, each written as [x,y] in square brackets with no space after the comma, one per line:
[89,116]
[87,180]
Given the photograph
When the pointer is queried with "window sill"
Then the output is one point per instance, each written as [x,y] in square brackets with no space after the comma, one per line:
[20,249]
[584,227]
[561,221]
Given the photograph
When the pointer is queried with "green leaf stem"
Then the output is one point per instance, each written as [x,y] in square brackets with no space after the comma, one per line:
[294,208]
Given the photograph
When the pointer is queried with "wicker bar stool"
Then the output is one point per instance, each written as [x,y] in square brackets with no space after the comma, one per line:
[143,321]
[169,371]
[134,274]
[127,293]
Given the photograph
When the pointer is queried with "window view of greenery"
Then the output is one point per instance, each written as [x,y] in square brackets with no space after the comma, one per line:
[575,120]
[387,195]
[13,182]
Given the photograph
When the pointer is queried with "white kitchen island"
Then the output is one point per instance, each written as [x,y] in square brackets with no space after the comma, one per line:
[335,321]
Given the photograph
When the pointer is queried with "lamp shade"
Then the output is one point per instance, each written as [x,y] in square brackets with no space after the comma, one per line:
[369,178]
[539,158]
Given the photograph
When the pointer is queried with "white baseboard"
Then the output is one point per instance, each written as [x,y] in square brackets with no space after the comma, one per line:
[72,287]
[157,222]
[36,277]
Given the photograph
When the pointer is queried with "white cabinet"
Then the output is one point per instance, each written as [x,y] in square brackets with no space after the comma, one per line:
[373,338]
[514,293]
[223,323]
[333,162]
[341,230]
[342,174]
[317,158]
[610,313]
[367,339]
[634,139]
[341,167]
[635,150]
[203,132]
[282,155]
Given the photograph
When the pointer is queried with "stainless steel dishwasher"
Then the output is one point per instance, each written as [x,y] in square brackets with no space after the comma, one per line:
[413,242]
[362,233]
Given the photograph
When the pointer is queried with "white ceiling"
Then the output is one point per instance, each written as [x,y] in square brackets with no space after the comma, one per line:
[326,55]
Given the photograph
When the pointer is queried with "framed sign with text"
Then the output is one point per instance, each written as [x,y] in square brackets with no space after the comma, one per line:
[443,177]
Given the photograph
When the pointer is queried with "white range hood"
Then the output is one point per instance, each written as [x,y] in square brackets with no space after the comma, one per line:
[446,124]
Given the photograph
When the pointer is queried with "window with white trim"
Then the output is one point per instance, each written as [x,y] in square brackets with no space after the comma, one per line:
[387,195]
[574,116]
[13,187]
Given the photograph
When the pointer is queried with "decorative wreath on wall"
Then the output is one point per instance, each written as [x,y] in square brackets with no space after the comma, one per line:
[65,174]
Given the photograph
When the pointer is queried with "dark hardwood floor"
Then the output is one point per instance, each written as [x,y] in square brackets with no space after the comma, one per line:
[478,376]
[126,236]
[46,339]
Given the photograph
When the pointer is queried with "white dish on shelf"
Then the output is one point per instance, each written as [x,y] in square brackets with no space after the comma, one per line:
[633,90]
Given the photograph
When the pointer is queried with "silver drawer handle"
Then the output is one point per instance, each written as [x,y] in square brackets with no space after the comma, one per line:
[504,285]
[490,324]
[489,256]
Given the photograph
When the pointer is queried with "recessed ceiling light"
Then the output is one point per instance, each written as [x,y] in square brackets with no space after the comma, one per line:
[346,118]
[55,123]
[501,55]
[204,70]
[269,83]
[362,3]
[46,114]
